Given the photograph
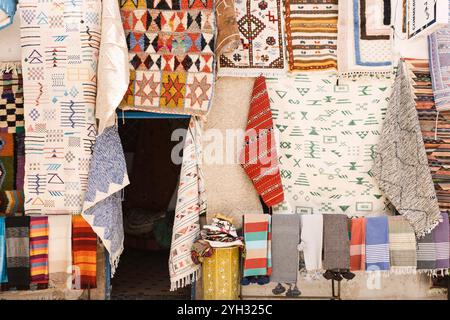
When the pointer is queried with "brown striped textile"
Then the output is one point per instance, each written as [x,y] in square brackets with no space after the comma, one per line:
[311,32]
[84,254]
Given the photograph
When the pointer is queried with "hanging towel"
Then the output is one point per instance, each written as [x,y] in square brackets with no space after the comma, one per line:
[259,156]
[402,245]
[426,254]
[401,164]
[103,202]
[377,243]
[39,250]
[336,244]
[228,38]
[7,12]
[59,248]
[18,251]
[191,203]
[441,241]
[285,239]
[358,244]
[257,245]
[84,254]
[311,241]
[3,272]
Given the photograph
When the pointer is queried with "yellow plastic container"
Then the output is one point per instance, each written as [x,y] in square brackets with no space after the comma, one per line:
[220,274]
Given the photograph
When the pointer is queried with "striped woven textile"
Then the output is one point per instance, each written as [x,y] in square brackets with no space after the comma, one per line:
[39,250]
[259,156]
[441,235]
[84,254]
[435,127]
[311,33]
[426,254]
[11,202]
[3,273]
[358,244]
[257,237]
[402,245]
[18,252]
[377,243]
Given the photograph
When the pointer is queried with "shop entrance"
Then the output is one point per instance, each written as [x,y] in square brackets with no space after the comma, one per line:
[148,210]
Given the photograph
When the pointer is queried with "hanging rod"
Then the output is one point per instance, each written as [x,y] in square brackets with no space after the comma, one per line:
[149,115]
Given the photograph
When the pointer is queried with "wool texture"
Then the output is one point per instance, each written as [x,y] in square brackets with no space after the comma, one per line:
[402,245]
[358,244]
[312,241]
[257,237]
[401,165]
[377,244]
[84,254]
[18,251]
[336,243]
[39,250]
[259,156]
[228,37]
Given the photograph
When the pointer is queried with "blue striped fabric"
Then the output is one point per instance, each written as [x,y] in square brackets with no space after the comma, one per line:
[377,243]
[3,273]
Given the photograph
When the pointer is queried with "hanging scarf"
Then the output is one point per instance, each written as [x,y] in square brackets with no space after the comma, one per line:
[358,244]
[377,244]
[401,165]
[3,272]
[336,244]
[259,156]
[39,250]
[257,237]
[59,248]
[103,202]
[311,241]
[7,11]
[84,254]
[285,239]
[228,38]
[18,251]
[190,205]
[441,238]
[402,246]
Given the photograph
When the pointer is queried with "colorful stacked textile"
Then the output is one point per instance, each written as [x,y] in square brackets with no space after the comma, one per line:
[435,127]
[358,244]
[220,233]
[84,251]
[59,60]
[439,47]
[259,156]
[18,252]
[262,46]
[402,245]
[377,243]
[257,237]
[364,39]
[171,54]
[311,34]
[3,272]
[327,138]
[39,250]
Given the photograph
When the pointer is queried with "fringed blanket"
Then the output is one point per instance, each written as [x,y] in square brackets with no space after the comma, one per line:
[257,237]
[364,41]
[18,252]
[426,254]
[228,38]
[311,241]
[171,54]
[327,139]
[311,34]
[358,244]
[39,250]
[103,202]
[84,254]
[262,46]
[401,165]
[191,203]
[441,238]
[402,246]
[3,271]
[285,239]
[377,244]
[59,60]
[336,244]
[259,156]
[439,48]
[60,248]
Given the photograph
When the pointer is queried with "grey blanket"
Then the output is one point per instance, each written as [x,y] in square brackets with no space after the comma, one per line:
[336,242]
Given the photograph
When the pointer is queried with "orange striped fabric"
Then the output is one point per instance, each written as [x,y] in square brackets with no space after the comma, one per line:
[39,250]
[84,254]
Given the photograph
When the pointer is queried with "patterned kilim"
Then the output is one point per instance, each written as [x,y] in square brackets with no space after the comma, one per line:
[257,237]
[39,250]
[327,139]
[171,50]
[435,127]
[60,43]
[364,40]
[84,254]
[11,139]
[262,46]
[311,33]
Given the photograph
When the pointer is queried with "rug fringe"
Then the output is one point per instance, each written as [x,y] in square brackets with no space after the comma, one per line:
[182,282]
[114,260]
[403,270]
[10,66]
[355,75]
[412,219]
[251,73]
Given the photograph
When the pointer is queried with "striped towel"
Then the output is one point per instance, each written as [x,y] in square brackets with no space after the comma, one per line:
[39,250]
[358,244]
[377,243]
[59,248]
[3,273]
[426,254]
[18,251]
[84,254]
[257,237]
[402,245]
[441,242]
